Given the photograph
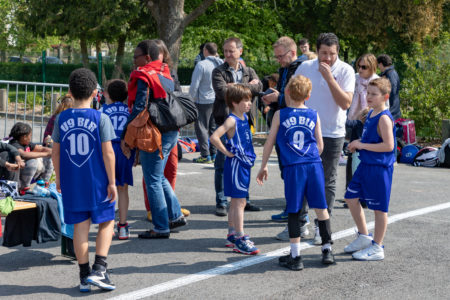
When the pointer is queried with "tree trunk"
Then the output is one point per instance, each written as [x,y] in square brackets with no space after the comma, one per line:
[171,22]
[118,72]
[84,51]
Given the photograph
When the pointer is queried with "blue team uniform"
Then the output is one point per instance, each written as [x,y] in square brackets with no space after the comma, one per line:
[302,167]
[236,173]
[83,175]
[372,180]
[118,114]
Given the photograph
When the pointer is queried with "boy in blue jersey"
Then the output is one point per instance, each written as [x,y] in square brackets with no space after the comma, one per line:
[240,158]
[296,130]
[372,180]
[83,159]
[115,94]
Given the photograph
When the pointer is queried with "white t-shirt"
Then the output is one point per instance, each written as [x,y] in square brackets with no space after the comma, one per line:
[332,117]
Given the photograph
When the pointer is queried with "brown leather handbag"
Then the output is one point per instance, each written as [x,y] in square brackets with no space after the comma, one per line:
[143,134]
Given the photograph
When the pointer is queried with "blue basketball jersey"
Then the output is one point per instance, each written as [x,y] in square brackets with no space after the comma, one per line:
[241,143]
[296,137]
[371,136]
[82,171]
[118,114]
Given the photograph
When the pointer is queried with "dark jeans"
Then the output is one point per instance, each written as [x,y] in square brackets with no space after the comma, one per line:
[204,127]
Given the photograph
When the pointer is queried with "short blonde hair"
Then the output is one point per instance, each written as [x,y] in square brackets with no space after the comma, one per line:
[382,84]
[235,93]
[286,42]
[299,88]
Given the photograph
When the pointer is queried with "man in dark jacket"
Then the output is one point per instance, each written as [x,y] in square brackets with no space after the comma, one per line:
[285,51]
[388,71]
[231,71]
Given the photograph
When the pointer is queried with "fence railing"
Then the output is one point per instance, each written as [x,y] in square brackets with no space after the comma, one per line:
[35,102]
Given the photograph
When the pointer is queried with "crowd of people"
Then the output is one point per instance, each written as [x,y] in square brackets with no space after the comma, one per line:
[309,106]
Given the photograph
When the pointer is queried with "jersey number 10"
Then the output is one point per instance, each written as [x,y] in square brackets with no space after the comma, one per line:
[79,144]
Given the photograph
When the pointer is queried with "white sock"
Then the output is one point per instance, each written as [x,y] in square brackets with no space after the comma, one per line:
[326,246]
[295,250]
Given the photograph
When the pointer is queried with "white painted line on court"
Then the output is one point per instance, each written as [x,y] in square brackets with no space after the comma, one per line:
[188,173]
[220,270]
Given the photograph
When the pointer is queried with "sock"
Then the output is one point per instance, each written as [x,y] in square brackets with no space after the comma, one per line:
[295,250]
[85,270]
[123,225]
[326,246]
[231,230]
[100,260]
[239,234]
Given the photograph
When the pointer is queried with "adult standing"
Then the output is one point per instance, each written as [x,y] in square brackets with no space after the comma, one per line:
[303,44]
[231,71]
[151,79]
[285,51]
[333,85]
[201,90]
[388,71]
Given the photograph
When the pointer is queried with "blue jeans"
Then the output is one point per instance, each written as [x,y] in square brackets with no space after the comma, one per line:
[161,197]
[221,200]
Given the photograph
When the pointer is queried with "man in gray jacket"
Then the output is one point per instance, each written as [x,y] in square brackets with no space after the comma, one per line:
[201,90]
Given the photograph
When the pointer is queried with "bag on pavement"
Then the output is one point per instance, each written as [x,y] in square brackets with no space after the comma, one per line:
[427,157]
[444,154]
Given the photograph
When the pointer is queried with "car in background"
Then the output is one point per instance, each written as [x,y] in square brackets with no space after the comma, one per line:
[93,59]
[51,60]
[17,59]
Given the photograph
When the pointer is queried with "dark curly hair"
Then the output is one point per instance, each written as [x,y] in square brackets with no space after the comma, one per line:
[19,130]
[117,90]
[82,82]
[150,48]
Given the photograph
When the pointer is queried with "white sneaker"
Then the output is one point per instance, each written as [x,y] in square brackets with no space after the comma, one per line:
[361,242]
[373,252]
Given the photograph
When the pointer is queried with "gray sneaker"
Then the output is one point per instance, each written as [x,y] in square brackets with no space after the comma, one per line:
[221,211]
[284,235]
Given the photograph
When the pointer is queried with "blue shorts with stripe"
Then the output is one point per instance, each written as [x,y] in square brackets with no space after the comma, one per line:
[304,180]
[371,183]
[236,178]
[124,166]
[99,215]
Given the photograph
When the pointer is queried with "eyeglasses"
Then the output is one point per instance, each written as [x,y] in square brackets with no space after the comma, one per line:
[364,67]
[281,56]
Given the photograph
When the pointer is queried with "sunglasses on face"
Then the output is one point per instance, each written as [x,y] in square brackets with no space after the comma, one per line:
[364,67]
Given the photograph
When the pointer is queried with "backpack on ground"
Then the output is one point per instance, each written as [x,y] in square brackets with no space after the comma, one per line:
[444,154]
[426,157]
[408,154]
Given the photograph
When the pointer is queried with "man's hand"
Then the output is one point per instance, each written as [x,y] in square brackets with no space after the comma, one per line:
[271,98]
[325,70]
[125,149]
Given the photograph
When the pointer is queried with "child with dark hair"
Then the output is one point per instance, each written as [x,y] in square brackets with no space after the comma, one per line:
[84,165]
[38,164]
[115,108]
[240,157]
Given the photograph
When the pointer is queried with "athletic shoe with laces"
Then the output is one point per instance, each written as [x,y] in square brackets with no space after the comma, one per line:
[181,221]
[361,242]
[231,240]
[245,246]
[124,231]
[203,160]
[284,235]
[317,237]
[327,256]
[85,287]
[373,252]
[100,278]
[287,261]
[281,217]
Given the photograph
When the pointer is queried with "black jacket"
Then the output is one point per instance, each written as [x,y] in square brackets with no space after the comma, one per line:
[282,84]
[394,98]
[221,76]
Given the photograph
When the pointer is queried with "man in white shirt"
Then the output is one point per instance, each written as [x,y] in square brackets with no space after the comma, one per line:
[333,85]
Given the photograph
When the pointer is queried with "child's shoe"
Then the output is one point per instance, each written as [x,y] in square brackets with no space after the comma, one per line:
[203,160]
[373,252]
[85,287]
[245,246]
[231,240]
[100,278]
[281,217]
[361,242]
[287,261]
[327,256]
[124,231]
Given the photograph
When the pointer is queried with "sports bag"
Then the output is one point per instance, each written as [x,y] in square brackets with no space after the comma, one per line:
[444,154]
[408,154]
[174,112]
[143,134]
[427,157]
[409,130]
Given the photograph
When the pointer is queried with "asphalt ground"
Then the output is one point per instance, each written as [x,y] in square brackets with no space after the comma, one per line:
[194,264]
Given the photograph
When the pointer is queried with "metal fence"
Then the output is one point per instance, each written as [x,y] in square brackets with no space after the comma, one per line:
[35,102]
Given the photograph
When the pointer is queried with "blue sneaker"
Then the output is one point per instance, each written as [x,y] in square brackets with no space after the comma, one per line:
[231,240]
[99,277]
[85,287]
[245,246]
[282,217]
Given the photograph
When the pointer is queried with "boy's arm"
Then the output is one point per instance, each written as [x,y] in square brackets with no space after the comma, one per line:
[268,146]
[318,135]
[385,126]
[55,160]
[110,161]
[229,123]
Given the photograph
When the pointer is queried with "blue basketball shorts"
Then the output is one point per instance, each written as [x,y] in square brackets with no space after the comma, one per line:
[236,178]
[124,166]
[304,180]
[371,183]
[100,215]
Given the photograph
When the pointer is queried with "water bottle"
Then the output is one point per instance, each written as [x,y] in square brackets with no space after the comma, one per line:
[41,191]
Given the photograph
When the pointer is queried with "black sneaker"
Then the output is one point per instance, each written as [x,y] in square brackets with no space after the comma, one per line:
[178,223]
[251,207]
[295,264]
[85,287]
[327,257]
[221,211]
[150,234]
[100,278]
